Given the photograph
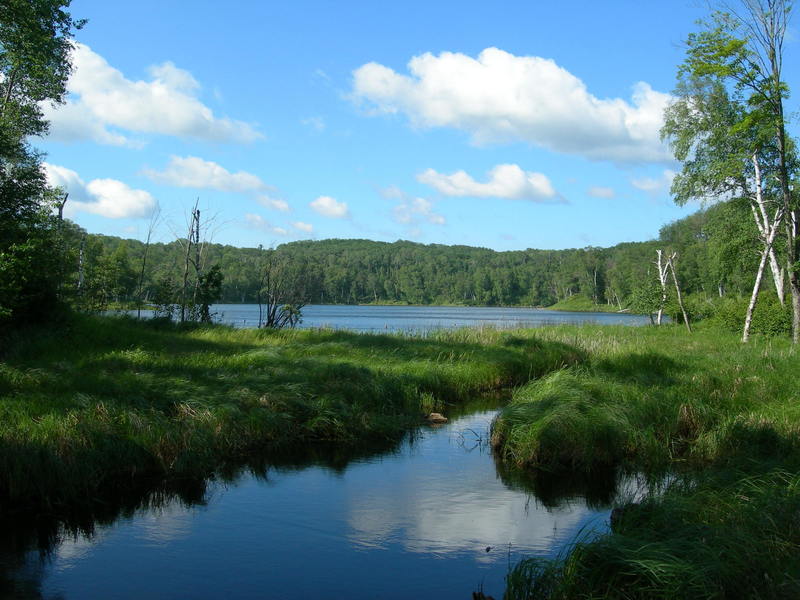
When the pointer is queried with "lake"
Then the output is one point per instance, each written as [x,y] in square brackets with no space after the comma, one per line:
[432,518]
[423,318]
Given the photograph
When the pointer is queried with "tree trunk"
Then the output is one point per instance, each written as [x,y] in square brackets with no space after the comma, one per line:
[671,263]
[11,82]
[662,279]
[794,281]
[748,319]
[186,262]
[777,276]
[151,227]
[775,56]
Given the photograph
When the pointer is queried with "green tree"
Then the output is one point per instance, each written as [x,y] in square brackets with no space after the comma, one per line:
[208,292]
[727,125]
[35,44]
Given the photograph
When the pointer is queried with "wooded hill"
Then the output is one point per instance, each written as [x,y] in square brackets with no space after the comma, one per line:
[717,253]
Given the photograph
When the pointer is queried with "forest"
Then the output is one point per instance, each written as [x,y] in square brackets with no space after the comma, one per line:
[717,250]
[101,413]
[741,243]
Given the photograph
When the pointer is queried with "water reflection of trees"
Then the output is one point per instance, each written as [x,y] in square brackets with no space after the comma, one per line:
[29,540]
[598,490]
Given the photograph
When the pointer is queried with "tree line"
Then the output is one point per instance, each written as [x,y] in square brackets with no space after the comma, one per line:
[717,251]
[726,126]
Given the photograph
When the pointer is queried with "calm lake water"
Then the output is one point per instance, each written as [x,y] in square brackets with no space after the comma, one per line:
[423,318]
[431,519]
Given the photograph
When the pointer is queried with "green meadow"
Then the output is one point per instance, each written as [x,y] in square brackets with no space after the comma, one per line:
[107,401]
[715,421]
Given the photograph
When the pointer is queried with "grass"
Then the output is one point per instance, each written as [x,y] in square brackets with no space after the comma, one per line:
[652,397]
[581,303]
[111,404]
[722,416]
[107,401]
[730,534]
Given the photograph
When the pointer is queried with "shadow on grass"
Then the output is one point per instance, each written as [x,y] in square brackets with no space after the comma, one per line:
[645,369]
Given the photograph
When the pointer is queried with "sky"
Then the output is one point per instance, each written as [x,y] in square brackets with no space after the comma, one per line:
[506,125]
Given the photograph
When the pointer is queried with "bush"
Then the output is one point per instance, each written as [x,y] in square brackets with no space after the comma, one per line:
[769,318]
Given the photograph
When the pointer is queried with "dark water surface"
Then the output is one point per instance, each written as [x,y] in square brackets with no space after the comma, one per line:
[423,318]
[433,518]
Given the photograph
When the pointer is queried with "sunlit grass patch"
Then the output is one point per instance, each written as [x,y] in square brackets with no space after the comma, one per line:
[722,415]
[109,398]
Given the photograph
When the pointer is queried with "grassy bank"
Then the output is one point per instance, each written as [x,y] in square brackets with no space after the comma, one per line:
[581,303]
[107,401]
[722,416]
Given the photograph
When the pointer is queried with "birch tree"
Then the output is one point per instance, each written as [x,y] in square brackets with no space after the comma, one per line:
[662,264]
[741,51]
[671,260]
[725,140]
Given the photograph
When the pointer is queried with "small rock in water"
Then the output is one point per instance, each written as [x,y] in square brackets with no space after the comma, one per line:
[437,418]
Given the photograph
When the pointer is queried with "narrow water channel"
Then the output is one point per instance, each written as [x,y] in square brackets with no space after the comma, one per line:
[433,518]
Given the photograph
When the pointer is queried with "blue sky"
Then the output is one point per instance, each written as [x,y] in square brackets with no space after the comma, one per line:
[507,125]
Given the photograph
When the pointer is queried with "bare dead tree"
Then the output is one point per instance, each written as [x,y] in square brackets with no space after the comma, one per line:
[198,255]
[60,205]
[193,291]
[671,264]
[154,219]
[663,270]
[194,227]
[282,292]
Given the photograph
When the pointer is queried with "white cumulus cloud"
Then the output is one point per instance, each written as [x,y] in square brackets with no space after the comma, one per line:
[306,227]
[258,222]
[414,210]
[330,207]
[500,97]
[273,203]
[655,185]
[505,181]
[599,191]
[105,197]
[194,172]
[105,106]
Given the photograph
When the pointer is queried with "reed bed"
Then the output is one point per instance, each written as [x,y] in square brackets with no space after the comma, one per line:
[723,418]
[106,401]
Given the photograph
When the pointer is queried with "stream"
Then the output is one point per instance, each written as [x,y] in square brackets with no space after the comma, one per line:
[433,517]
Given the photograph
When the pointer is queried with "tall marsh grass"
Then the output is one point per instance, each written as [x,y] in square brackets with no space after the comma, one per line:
[105,401]
[723,417]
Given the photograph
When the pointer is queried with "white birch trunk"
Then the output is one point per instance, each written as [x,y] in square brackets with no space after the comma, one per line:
[662,279]
[761,216]
[777,275]
[671,265]
[768,230]
[748,319]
